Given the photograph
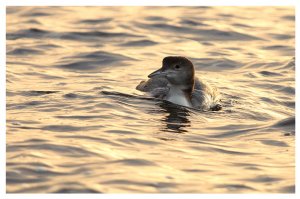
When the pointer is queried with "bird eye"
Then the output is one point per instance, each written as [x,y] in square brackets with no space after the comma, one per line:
[177,66]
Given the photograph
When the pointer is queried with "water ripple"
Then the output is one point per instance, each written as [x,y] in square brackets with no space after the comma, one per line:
[92,61]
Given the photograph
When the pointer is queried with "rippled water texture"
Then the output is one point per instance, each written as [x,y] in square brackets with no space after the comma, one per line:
[75,122]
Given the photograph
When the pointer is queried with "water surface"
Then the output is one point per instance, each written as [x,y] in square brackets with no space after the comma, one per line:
[75,122]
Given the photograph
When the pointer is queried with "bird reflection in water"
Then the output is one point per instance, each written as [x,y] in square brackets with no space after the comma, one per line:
[177,119]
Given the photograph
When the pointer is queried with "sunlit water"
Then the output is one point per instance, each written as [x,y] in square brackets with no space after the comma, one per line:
[75,122]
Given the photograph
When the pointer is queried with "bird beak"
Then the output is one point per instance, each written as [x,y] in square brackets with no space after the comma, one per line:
[158,72]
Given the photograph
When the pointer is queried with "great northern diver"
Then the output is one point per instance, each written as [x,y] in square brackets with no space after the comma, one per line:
[175,82]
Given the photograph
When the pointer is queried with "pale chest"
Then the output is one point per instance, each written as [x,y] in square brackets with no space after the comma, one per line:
[177,96]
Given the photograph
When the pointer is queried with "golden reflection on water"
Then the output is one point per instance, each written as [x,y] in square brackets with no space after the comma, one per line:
[79,139]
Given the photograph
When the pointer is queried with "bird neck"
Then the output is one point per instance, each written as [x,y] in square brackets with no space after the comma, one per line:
[189,88]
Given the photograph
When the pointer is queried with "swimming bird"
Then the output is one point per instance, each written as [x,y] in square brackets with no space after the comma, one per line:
[175,82]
